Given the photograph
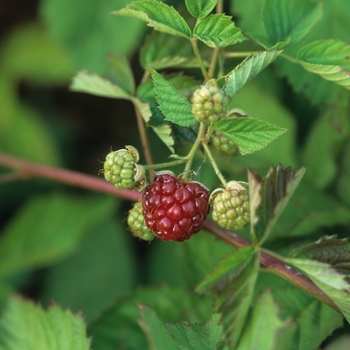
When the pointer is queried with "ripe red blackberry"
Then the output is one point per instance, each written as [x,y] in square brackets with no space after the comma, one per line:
[175,209]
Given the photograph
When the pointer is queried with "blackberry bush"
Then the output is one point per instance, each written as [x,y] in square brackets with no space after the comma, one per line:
[198,69]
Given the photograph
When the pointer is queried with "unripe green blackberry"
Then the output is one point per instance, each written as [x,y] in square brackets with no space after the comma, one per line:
[209,103]
[121,169]
[223,144]
[137,225]
[231,209]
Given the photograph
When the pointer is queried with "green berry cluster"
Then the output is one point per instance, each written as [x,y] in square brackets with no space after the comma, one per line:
[209,103]
[121,169]
[137,225]
[223,144]
[231,208]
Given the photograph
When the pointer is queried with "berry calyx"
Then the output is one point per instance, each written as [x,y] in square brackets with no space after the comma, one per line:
[137,225]
[223,144]
[231,208]
[209,103]
[121,169]
[175,209]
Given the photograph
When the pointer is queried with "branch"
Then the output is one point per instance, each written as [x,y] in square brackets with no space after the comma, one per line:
[270,264]
[28,170]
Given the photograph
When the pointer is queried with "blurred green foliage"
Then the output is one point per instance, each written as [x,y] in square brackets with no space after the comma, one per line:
[73,247]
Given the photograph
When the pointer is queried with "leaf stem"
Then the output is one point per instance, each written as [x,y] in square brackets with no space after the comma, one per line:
[214,164]
[213,61]
[199,58]
[142,129]
[239,54]
[219,7]
[143,136]
[289,58]
[200,136]
[167,164]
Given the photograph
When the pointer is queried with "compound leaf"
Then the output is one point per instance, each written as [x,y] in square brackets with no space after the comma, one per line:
[158,15]
[250,134]
[218,30]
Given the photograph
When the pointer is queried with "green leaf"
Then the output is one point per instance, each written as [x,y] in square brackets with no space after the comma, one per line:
[46,229]
[160,46]
[324,144]
[94,84]
[329,59]
[24,325]
[117,327]
[88,32]
[316,321]
[218,30]
[157,335]
[334,24]
[200,8]
[206,336]
[27,136]
[233,281]
[309,321]
[164,133]
[343,177]
[269,197]
[173,105]
[328,280]
[247,70]
[158,15]
[121,73]
[250,134]
[289,19]
[269,108]
[310,211]
[185,85]
[103,265]
[264,325]
[30,53]
[326,52]
[328,249]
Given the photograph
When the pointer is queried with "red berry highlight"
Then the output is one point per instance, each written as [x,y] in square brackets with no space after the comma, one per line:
[174,209]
